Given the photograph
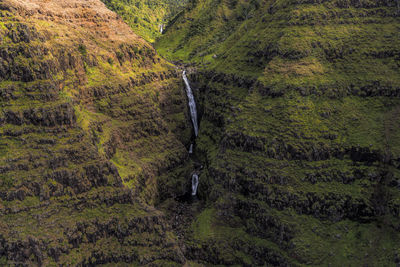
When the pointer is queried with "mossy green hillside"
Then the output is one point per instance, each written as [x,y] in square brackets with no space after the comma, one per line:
[292,56]
[287,45]
[299,133]
[291,174]
[146,17]
[86,124]
[298,138]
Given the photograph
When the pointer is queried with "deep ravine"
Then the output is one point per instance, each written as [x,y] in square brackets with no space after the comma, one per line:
[273,141]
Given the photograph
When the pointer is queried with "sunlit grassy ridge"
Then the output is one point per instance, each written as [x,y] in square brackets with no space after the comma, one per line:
[88,119]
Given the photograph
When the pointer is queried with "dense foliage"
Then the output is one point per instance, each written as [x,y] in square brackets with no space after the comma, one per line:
[146,17]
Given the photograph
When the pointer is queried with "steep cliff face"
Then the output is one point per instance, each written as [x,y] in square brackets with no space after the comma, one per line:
[90,115]
[299,130]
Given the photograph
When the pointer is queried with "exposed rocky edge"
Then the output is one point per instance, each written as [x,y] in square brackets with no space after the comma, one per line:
[90,115]
[334,90]
[63,114]
[212,252]
[127,237]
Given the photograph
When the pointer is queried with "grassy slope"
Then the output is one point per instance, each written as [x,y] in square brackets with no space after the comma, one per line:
[299,129]
[146,17]
[85,109]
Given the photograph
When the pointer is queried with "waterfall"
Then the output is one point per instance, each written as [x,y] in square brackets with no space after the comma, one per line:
[192,104]
[193,115]
[191,149]
[195,183]
[161,28]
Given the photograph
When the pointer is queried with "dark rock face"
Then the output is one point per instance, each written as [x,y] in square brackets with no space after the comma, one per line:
[56,116]
[89,233]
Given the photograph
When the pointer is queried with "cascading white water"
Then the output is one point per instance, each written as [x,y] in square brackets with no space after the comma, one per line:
[191,149]
[192,104]
[195,183]
[193,115]
[161,29]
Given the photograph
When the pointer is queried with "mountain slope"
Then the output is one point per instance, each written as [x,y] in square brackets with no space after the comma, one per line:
[298,147]
[299,130]
[146,17]
[89,116]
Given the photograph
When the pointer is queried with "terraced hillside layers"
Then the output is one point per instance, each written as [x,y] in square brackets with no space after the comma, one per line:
[299,131]
[298,151]
[89,117]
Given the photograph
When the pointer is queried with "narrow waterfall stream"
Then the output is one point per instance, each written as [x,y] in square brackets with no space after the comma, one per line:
[191,149]
[193,115]
[161,28]
[195,183]
[192,104]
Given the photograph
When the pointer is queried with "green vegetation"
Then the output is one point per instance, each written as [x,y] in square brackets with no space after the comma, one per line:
[146,17]
[81,143]
[299,143]
[299,131]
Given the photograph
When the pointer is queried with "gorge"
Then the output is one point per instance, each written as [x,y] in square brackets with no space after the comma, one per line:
[275,142]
